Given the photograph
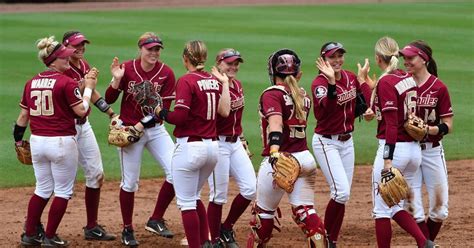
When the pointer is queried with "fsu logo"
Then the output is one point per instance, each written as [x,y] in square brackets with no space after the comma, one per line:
[320,91]
[346,96]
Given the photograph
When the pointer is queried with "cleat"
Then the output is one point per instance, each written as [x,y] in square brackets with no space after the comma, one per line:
[128,238]
[34,240]
[159,227]
[228,238]
[97,233]
[55,241]
[430,244]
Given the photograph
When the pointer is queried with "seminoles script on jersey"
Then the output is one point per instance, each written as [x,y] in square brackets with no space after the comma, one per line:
[162,78]
[276,100]
[336,116]
[49,97]
[199,92]
[433,104]
[396,91]
[232,125]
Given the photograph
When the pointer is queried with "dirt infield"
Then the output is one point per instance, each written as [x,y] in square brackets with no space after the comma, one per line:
[358,228]
[357,231]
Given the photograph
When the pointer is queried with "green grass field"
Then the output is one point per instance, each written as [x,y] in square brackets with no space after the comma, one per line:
[255,32]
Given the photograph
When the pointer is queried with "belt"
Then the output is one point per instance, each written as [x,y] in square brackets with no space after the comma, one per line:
[231,139]
[424,147]
[197,138]
[340,137]
[81,121]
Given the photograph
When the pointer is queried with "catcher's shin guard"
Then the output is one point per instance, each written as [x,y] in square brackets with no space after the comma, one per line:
[311,225]
[261,228]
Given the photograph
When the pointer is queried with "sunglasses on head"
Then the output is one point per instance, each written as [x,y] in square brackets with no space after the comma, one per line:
[331,46]
[229,54]
[150,40]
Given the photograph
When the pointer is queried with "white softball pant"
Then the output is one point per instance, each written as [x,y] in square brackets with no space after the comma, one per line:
[89,155]
[406,158]
[269,194]
[158,142]
[336,160]
[434,174]
[55,164]
[232,161]
[192,164]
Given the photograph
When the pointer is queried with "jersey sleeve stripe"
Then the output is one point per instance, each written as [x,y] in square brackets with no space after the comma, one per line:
[272,113]
[447,114]
[389,108]
[181,106]
[75,103]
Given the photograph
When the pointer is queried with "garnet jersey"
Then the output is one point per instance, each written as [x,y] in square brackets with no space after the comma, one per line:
[163,80]
[78,74]
[336,116]
[49,98]
[396,91]
[232,125]
[277,100]
[199,92]
[433,103]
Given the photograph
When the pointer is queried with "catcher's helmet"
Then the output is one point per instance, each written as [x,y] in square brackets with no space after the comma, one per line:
[282,63]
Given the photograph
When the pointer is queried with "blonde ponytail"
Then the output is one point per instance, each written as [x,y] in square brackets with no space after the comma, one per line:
[298,100]
[46,47]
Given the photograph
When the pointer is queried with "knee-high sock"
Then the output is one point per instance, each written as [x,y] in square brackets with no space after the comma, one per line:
[127,200]
[434,228]
[56,213]
[333,218]
[406,221]
[383,231]
[265,231]
[203,224]
[92,198]
[33,217]
[165,196]
[238,207]
[191,225]
[424,229]
[214,215]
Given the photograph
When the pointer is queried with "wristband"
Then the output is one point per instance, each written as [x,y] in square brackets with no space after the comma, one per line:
[18,132]
[332,91]
[443,129]
[102,105]
[388,151]
[275,138]
[87,92]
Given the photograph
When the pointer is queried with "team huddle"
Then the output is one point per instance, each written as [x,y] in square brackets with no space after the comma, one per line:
[412,108]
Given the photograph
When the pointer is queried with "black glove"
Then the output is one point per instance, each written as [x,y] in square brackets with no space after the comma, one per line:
[148,121]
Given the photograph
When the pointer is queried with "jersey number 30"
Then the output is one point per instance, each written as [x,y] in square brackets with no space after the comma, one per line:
[43,103]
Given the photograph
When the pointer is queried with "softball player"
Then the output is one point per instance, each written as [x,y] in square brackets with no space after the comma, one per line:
[395,100]
[434,106]
[50,102]
[233,159]
[334,94]
[284,110]
[155,139]
[89,153]
[199,97]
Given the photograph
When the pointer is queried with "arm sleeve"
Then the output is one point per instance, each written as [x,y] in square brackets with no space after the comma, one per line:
[391,129]
[271,103]
[178,117]
[111,94]
[320,89]
[365,89]
[168,90]
[389,101]
[444,103]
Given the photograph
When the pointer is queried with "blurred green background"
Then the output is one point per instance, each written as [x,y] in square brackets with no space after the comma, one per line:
[255,32]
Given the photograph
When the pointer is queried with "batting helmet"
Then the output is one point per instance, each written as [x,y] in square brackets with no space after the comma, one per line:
[282,63]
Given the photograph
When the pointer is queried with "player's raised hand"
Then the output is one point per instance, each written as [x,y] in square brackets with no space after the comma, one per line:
[326,69]
[221,76]
[363,71]
[117,69]
[90,79]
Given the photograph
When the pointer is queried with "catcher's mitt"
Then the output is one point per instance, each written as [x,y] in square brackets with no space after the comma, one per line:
[147,96]
[124,136]
[286,170]
[416,127]
[23,152]
[393,188]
